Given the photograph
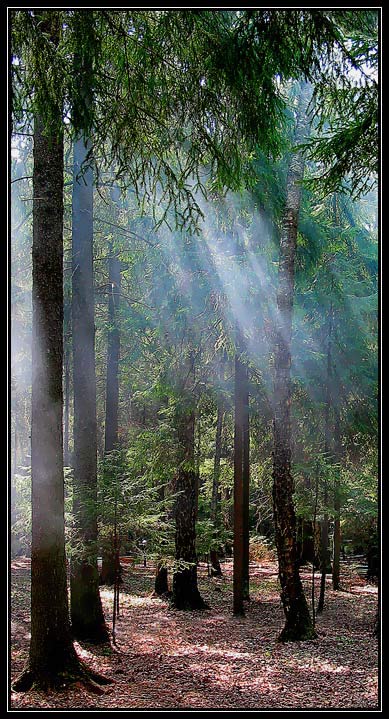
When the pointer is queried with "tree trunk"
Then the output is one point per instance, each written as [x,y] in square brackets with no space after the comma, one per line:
[215,564]
[86,609]
[238,486]
[298,624]
[51,654]
[337,535]
[246,487]
[197,463]
[185,591]
[108,569]
[161,579]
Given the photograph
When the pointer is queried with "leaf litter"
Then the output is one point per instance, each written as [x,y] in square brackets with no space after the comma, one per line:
[167,659]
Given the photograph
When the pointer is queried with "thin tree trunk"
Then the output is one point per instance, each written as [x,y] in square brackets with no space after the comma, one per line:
[298,624]
[238,486]
[185,590]
[246,487]
[86,608]
[197,463]
[108,569]
[51,653]
[337,536]
[215,564]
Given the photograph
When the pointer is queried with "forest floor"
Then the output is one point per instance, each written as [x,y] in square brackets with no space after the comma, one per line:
[171,660]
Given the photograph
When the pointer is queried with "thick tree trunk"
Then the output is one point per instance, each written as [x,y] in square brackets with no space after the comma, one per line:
[185,590]
[298,624]
[86,609]
[238,486]
[108,569]
[51,654]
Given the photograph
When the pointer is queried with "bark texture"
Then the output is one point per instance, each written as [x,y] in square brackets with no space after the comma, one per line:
[298,624]
[86,608]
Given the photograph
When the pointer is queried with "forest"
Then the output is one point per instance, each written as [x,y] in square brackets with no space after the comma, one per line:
[194,397]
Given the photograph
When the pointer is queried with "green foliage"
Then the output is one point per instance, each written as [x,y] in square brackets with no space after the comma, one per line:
[130,508]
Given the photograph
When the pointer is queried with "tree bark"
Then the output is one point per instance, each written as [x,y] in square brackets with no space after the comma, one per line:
[298,624]
[51,654]
[185,590]
[86,608]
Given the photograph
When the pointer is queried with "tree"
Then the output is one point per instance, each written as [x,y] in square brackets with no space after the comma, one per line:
[238,487]
[216,569]
[298,622]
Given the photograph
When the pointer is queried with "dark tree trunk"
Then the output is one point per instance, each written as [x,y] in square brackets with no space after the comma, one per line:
[185,590]
[86,609]
[246,487]
[51,654]
[298,624]
[108,569]
[238,486]
[161,579]
[215,564]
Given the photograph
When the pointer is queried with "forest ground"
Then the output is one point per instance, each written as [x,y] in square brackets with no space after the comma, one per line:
[167,659]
